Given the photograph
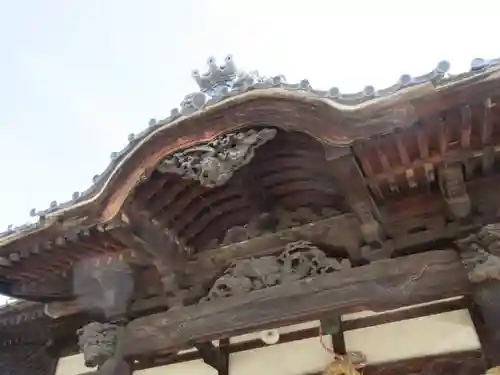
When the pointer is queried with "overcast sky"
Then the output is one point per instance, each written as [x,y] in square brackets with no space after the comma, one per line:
[78,76]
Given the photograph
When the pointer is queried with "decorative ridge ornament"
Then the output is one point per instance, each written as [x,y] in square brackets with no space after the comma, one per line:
[217,77]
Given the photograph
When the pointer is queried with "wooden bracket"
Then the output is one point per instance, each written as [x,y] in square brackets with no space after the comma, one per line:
[166,252]
[452,184]
[352,185]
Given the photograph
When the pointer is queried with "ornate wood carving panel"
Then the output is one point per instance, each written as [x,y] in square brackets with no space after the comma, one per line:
[379,286]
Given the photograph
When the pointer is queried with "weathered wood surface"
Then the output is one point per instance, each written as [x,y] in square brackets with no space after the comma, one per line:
[379,286]
[340,231]
[480,253]
[486,313]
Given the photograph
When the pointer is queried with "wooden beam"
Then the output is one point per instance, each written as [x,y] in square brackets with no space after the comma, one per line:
[487,122]
[347,325]
[147,236]
[379,286]
[339,231]
[465,126]
[338,340]
[442,133]
[352,185]
[423,143]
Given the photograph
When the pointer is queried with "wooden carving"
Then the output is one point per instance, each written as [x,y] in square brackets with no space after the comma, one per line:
[299,260]
[101,345]
[480,253]
[277,220]
[214,163]
[421,278]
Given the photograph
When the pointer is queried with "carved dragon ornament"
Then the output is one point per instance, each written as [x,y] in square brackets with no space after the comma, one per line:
[214,163]
[101,345]
[298,261]
[480,253]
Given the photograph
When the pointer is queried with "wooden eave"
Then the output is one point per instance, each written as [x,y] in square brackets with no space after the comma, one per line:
[344,127]
[339,123]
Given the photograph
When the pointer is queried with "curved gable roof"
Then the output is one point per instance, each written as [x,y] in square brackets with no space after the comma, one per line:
[245,98]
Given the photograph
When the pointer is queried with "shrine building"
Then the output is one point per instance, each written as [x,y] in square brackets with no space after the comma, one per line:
[269,227]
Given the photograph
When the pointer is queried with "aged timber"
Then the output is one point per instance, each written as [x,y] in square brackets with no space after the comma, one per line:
[480,254]
[378,286]
[340,231]
[160,244]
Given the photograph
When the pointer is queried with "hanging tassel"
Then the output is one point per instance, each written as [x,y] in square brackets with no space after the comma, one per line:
[341,366]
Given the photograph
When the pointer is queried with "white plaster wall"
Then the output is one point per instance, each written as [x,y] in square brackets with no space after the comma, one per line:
[430,335]
[196,367]
[418,337]
[71,365]
[294,358]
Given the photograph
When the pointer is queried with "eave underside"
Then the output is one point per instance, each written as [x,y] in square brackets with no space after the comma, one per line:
[394,186]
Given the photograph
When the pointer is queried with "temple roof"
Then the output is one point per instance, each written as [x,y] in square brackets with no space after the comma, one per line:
[221,85]
[230,101]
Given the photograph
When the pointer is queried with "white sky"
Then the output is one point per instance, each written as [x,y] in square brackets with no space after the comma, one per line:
[78,76]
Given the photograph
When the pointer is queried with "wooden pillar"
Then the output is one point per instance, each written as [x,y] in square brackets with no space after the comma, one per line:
[481,257]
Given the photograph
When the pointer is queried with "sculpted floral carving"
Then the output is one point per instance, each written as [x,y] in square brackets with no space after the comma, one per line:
[298,261]
[480,253]
[214,163]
